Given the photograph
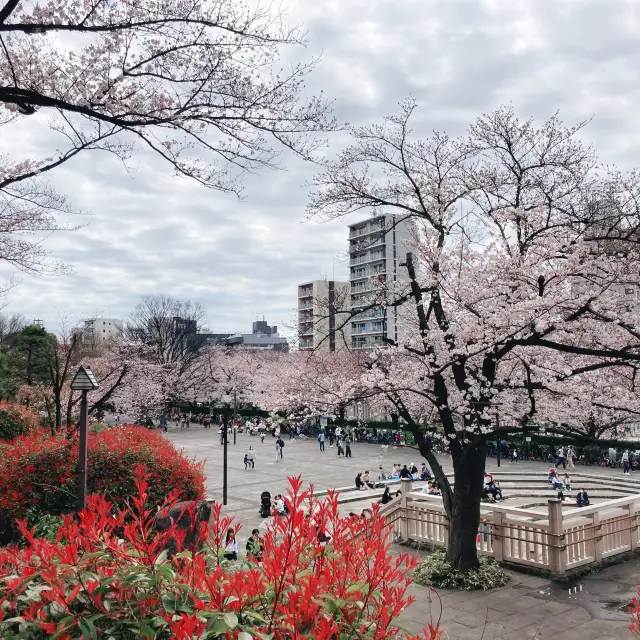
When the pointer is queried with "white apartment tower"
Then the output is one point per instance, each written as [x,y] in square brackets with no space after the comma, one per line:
[100,330]
[321,306]
[377,248]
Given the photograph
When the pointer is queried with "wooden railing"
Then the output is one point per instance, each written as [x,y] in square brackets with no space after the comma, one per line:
[550,538]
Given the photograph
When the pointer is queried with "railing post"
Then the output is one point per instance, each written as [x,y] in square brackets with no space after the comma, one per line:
[497,540]
[405,488]
[633,526]
[597,537]
[558,548]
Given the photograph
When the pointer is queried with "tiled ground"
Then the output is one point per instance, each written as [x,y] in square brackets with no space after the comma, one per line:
[528,608]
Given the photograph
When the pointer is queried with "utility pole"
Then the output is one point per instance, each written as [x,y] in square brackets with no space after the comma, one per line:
[225,429]
[235,415]
[498,435]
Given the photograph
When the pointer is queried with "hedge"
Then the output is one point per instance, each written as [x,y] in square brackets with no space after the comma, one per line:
[16,420]
[38,472]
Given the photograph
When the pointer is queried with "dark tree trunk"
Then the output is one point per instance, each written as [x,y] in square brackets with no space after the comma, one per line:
[464,512]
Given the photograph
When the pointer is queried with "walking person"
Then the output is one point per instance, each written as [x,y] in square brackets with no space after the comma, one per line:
[278,450]
[280,441]
[251,455]
[262,438]
[165,426]
[339,445]
[514,455]
[231,545]
[561,458]
[321,440]
[347,447]
[330,438]
[570,456]
[625,463]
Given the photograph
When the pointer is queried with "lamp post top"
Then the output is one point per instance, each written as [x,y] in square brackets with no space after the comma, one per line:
[84,380]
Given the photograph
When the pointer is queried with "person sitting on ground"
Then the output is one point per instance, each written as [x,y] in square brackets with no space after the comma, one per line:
[487,494]
[556,483]
[386,496]
[432,489]
[496,491]
[396,471]
[566,482]
[360,485]
[413,470]
[582,499]
[552,473]
[425,474]
[405,474]
[488,479]
[367,481]
[279,505]
[255,546]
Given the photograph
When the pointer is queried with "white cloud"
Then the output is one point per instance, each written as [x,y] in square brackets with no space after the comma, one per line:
[150,232]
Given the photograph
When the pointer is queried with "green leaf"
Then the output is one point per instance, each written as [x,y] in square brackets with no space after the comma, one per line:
[147,631]
[230,619]
[87,629]
[243,635]
[162,557]
[169,604]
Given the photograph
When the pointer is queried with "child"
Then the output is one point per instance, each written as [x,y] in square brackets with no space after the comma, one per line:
[566,481]
[552,473]
[246,461]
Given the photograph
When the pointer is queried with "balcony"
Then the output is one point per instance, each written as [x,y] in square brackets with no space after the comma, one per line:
[368,342]
[367,258]
[372,227]
[369,315]
[305,344]
[303,306]
[368,272]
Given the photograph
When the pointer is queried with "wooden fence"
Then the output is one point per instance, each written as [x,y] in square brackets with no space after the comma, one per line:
[554,538]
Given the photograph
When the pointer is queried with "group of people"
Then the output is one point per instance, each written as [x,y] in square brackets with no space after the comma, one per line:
[254,548]
[564,484]
[410,472]
[363,481]
[343,441]
[491,491]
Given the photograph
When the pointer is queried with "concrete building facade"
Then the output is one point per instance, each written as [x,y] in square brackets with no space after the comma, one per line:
[377,248]
[96,331]
[322,312]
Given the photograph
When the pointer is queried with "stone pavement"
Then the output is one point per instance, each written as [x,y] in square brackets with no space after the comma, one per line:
[528,608]
[323,469]
[532,608]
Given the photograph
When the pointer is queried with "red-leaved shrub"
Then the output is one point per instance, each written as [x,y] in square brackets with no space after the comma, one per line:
[38,472]
[16,420]
[108,576]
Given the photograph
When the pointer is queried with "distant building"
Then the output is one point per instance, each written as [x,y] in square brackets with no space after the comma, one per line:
[321,314]
[96,331]
[377,248]
[604,223]
[262,337]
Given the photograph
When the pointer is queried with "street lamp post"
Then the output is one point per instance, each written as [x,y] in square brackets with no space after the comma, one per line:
[84,381]
[225,430]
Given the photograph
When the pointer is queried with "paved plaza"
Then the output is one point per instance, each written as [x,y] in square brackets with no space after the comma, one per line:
[529,607]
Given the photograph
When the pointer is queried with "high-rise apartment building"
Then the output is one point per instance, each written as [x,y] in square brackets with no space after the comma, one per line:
[377,248]
[322,306]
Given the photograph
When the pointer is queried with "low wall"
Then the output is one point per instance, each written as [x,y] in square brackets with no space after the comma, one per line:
[550,539]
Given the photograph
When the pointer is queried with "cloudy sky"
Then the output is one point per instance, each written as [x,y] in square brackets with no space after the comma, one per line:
[151,233]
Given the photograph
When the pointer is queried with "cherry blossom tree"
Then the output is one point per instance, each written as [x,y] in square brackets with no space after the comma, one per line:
[511,301]
[324,383]
[195,82]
